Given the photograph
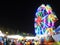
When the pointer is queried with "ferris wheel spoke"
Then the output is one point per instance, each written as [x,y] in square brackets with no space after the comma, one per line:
[44,17]
[45,25]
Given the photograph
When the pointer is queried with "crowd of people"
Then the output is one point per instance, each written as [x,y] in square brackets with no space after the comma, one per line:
[8,41]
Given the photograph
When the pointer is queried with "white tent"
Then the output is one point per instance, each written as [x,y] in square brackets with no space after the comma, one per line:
[15,36]
[1,34]
[56,37]
[30,37]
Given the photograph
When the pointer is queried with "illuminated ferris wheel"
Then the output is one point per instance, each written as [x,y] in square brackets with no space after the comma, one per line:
[44,20]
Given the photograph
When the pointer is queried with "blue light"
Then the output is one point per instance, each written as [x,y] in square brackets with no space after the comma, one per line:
[58,29]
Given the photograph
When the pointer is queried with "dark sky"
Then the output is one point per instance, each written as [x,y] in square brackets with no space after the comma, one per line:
[20,14]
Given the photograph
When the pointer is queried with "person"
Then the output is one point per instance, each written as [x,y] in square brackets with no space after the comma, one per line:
[7,42]
[4,41]
[21,43]
[13,43]
[0,43]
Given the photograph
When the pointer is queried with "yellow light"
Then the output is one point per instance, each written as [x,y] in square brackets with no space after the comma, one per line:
[48,7]
[6,32]
[52,17]
[50,30]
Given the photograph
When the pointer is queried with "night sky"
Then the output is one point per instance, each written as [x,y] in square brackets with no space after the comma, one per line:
[19,15]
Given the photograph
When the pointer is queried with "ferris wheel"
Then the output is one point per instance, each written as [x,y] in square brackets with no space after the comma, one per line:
[44,20]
